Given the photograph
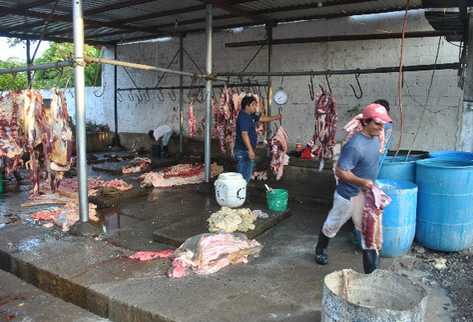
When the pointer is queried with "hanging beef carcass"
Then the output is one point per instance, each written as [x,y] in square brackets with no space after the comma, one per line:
[279,147]
[57,139]
[325,128]
[11,145]
[191,121]
[31,115]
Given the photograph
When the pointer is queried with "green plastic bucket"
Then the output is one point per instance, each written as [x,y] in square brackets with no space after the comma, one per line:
[2,183]
[277,200]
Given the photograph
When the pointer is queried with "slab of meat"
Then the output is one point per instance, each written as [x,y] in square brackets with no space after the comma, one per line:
[137,165]
[208,253]
[324,140]
[117,184]
[183,170]
[372,220]
[279,147]
[144,256]
[191,121]
[64,217]
[159,180]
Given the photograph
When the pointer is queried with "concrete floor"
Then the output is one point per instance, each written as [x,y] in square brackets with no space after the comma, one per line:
[283,284]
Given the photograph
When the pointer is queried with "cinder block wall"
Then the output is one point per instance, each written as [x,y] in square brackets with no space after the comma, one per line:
[438,129]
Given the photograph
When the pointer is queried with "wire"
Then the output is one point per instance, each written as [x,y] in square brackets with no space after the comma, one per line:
[421,119]
[401,77]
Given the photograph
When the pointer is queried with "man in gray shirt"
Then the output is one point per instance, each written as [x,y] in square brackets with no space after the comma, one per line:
[357,168]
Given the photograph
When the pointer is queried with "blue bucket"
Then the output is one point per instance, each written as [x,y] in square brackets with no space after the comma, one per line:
[398,168]
[399,218]
[445,212]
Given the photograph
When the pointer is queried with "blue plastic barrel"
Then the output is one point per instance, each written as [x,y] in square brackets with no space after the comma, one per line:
[399,218]
[452,155]
[398,168]
[445,204]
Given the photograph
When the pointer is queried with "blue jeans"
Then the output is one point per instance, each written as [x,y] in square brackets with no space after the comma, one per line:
[244,164]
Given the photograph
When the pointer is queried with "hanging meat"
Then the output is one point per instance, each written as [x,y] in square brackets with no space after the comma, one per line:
[26,126]
[279,148]
[325,128]
[11,145]
[225,121]
[191,121]
[57,139]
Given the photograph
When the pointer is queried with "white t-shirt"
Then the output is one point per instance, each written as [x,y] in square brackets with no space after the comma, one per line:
[160,131]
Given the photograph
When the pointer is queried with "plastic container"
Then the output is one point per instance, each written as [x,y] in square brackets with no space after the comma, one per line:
[452,155]
[230,190]
[399,217]
[2,182]
[276,199]
[445,204]
[398,168]
[381,296]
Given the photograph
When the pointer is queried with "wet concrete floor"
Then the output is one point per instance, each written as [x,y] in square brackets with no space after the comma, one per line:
[283,284]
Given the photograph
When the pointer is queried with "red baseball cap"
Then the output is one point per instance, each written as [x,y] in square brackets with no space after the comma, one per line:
[377,113]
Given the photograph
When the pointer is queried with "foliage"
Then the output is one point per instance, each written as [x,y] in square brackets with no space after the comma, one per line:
[12,81]
[52,77]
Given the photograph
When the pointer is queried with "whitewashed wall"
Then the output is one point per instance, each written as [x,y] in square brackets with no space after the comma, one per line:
[94,101]
[438,129]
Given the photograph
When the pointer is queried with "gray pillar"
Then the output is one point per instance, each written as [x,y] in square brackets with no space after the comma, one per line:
[115,98]
[208,87]
[28,62]
[181,92]
[79,81]
[465,137]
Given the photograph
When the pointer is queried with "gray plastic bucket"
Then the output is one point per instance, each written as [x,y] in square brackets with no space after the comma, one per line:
[381,296]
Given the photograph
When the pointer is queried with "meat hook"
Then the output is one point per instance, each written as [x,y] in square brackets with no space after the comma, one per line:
[131,98]
[119,97]
[160,96]
[311,88]
[358,96]
[172,95]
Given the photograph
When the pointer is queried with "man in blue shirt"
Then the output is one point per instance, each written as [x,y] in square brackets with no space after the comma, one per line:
[356,169]
[246,137]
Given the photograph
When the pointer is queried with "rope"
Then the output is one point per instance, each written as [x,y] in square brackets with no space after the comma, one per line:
[426,99]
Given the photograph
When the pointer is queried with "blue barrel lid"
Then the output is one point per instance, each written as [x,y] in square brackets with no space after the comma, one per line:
[390,184]
[445,163]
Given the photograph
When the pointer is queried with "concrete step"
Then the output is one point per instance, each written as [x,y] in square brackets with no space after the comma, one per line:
[20,301]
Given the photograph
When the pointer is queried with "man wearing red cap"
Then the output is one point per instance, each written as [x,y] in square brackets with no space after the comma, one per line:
[356,169]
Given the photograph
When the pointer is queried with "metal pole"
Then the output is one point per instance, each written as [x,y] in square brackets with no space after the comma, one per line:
[378,70]
[181,92]
[96,60]
[269,36]
[28,61]
[208,87]
[13,70]
[115,93]
[79,81]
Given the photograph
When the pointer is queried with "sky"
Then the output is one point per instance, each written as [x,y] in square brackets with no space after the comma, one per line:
[19,51]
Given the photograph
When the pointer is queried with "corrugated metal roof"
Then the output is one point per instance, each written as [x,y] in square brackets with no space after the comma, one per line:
[111,21]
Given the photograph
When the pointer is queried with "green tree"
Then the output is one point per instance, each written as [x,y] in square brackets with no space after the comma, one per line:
[12,81]
[60,78]
[51,77]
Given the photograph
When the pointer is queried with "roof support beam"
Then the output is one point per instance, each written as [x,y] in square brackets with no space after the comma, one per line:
[304,40]
[67,18]
[55,39]
[236,10]
[29,6]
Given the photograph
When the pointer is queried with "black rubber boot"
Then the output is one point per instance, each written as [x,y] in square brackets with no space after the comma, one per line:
[321,254]
[370,260]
